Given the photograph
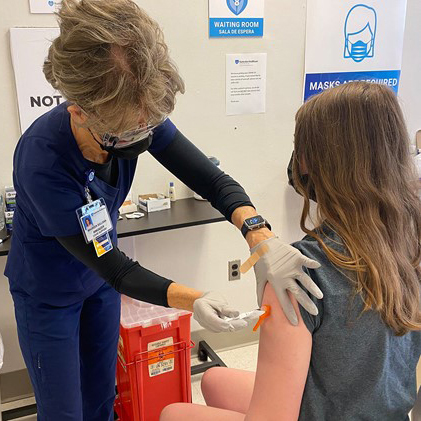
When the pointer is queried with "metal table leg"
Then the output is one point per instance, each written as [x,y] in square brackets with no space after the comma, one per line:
[205,352]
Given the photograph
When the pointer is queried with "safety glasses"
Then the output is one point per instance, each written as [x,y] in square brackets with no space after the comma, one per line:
[128,138]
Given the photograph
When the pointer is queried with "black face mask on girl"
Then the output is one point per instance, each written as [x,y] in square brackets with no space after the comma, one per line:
[303,178]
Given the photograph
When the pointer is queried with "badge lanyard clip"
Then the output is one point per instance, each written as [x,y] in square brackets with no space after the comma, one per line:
[90,175]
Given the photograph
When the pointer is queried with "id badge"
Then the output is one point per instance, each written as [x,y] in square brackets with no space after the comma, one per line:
[103,244]
[94,220]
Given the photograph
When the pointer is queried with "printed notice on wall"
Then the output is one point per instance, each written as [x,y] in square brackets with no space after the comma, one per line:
[29,47]
[236,18]
[44,6]
[348,40]
[246,83]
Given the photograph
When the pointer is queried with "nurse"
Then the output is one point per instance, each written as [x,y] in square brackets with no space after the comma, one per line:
[76,163]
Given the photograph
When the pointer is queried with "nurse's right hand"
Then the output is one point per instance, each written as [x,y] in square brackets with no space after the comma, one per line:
[211,308]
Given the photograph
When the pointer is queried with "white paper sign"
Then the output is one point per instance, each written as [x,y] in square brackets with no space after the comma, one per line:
[347,40]
[44,6]
[236,18]
[1,352]
[29,47]
[246,83]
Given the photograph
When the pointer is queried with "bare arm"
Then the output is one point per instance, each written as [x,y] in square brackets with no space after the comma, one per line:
[284,358]
[180,296]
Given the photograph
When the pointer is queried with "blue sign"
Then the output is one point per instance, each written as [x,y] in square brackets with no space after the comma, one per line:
[236,18]
[353,40]
[228,27]
[318,82]
[360,33]
[237,6]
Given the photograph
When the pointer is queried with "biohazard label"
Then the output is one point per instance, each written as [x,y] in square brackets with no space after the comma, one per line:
[120,352]
[162,358]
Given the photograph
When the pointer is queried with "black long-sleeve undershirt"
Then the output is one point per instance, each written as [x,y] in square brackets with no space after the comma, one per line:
[121,272]
[194,169]
[197,172]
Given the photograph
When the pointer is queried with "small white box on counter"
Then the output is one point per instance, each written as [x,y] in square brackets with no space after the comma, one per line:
[8,219]
[10,197]
[154,202]
[127,208]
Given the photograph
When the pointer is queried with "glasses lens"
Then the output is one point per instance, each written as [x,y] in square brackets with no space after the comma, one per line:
[130,137]
[127,139]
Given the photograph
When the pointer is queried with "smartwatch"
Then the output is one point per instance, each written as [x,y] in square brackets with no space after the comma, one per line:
[254,223]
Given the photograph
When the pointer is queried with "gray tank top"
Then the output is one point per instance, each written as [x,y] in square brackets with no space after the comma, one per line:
[359,370]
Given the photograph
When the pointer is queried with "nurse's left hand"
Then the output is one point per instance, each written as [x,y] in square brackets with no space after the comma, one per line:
[282,265]
[211,308]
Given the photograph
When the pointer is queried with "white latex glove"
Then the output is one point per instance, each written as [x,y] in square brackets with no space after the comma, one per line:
[281,265]
[210,310]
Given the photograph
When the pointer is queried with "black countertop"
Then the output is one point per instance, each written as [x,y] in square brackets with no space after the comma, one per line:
[183,213]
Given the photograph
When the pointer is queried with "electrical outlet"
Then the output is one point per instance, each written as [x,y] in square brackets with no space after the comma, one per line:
[234,273]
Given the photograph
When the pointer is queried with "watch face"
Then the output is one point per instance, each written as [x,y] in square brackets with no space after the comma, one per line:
[255,220]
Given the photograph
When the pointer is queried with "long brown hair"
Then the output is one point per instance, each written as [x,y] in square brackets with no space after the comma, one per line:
[354,144]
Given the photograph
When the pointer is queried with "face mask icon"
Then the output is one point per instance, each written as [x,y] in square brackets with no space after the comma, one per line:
[360,33]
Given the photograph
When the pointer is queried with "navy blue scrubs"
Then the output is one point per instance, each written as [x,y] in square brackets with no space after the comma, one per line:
[67,316]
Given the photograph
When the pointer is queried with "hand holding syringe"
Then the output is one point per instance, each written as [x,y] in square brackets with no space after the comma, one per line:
[253,315]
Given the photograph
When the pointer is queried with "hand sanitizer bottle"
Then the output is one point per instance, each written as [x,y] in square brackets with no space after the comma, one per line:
[171,192]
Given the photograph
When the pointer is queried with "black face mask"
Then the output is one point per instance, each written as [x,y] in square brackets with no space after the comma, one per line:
[129,152]
[304,179]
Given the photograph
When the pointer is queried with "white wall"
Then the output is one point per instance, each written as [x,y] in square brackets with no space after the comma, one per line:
[198,256]
[410,90]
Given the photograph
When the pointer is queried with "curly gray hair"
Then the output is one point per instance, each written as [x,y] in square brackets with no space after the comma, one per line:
[111,59]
